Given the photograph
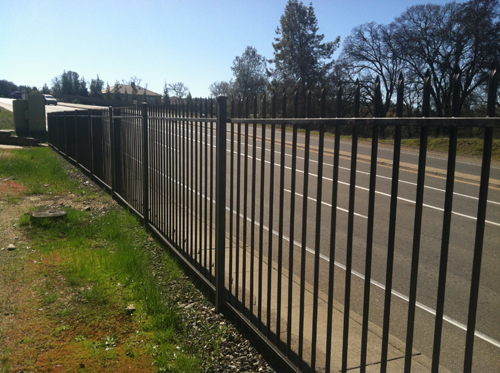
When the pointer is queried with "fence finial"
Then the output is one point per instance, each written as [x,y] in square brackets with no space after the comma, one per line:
[357,94]
[377,104]
[455,105]
[339,99]
[492,89]
[426,104]
[400,93]
[323,101]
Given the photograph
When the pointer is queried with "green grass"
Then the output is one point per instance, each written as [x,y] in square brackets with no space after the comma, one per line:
[6,119]
[105,257]
[467,147]
[36,168]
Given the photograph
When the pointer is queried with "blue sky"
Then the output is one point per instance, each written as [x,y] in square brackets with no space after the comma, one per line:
[189,41]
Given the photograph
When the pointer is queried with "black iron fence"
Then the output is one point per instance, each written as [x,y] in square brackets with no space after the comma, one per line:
[337,254]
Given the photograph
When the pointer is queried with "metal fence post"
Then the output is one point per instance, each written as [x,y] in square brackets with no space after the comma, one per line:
[112,135]
[220,203]
[91,143]
[145,173]
[77,158]
[64,134]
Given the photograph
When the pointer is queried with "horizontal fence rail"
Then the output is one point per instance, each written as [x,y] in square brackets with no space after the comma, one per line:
[336,254]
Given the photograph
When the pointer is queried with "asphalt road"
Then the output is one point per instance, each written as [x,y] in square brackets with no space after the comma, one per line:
[487,357]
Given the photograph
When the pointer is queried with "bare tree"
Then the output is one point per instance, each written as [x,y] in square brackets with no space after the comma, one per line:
[179,89]
[369,52]
[438,38]
[222,88]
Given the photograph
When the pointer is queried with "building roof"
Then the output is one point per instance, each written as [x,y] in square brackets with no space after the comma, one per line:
[122,88]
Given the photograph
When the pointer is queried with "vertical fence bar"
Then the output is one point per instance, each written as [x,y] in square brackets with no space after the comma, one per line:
[231,204]
[192,231]
[163,126]
[220,220]
[77,158]
[65,134]
[161,170]
[91,143]
[197,183]
[145,166]
[245,212]
[157,206]
[417,227]
[253,207]
[481,216]
[211,222]
[392,229]
[445,236]
[238,202]
[168,171]
[207,246]
[317,243]
[303,246]
[369,230]
[173,172]
[187,186]
[271,221]
[202,181]
[185,174]
[350,231]
[113,150]
[291,242]
[176,180]
[261,213]
[153,164]
[281,218]
[333,234]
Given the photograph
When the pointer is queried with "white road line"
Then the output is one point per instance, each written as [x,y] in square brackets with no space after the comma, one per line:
[390,178]
[377,192]
[277,152]
[397,294]
[387,195]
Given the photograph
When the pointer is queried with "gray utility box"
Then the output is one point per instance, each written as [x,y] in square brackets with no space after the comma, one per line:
[21,120]
[29,117]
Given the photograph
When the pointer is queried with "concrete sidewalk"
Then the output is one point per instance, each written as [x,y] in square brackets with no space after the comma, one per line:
[396,351]
[396,347]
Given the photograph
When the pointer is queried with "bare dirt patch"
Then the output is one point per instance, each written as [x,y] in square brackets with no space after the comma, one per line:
[9,188]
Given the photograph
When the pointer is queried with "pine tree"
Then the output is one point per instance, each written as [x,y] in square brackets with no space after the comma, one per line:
[300,56]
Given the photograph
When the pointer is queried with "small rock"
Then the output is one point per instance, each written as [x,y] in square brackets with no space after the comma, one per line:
[11,247]
[87,208]
[130,309]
